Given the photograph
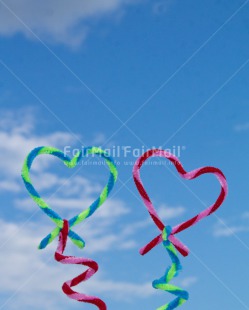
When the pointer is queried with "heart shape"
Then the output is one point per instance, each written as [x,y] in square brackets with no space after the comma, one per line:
[70,163]
[188,176]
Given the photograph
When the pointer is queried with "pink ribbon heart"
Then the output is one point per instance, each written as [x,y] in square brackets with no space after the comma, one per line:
[188,176]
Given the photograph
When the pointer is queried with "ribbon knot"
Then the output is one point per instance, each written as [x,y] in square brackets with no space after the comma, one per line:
[166,233]
[64,233]
[65,229]
[76,239]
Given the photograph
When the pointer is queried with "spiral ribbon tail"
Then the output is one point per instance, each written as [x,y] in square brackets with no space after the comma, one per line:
[92,269]
[163,283]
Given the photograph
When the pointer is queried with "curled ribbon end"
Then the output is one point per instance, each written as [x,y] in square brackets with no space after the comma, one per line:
[80,243]
[43,244]
[142,252]
[183,252]
[151,245]
[40,247]
[181,248]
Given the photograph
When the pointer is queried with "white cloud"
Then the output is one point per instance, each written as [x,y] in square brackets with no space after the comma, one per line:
[125,291]
[188,282]
[17,136]
[167,212]
[242,127]
[20,260]
[57,21]
[19,122]
[10,186]
[111,208]
[64,186]
[227,229]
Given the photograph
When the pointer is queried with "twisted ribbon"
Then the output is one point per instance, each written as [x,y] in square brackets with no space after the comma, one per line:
[93,268]
[171,272]
[63,227]
[178,228]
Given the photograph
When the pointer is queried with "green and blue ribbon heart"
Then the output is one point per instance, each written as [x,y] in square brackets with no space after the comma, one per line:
[70,163]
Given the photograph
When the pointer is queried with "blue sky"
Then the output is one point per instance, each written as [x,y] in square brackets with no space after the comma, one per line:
[128,74]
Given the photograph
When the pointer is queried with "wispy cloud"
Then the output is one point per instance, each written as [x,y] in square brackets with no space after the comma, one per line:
[166,213]
[56,21]
[227,231]
[18,137]
[227,228]
[242,127]
[10,186]
[188,281]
